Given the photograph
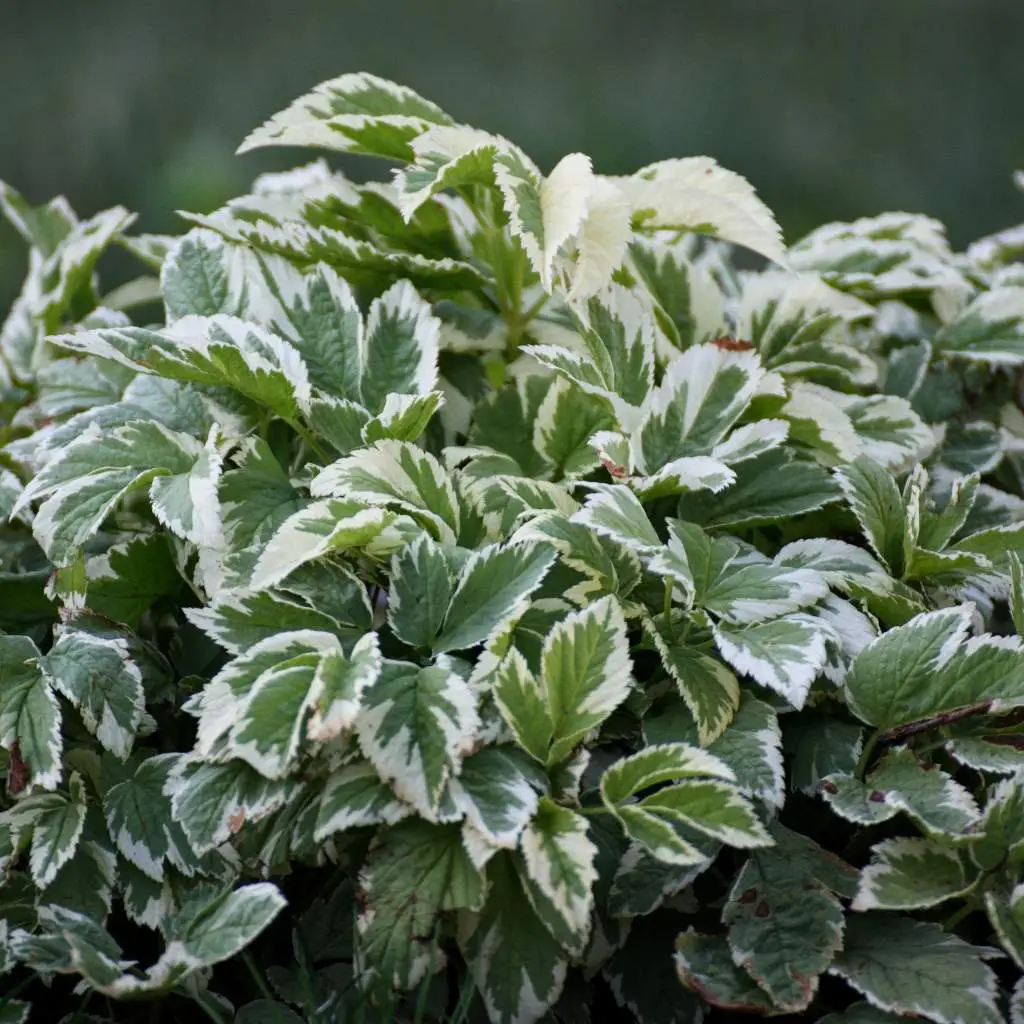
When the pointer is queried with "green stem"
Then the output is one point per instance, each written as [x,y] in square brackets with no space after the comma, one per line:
[208,1008]
[865,755]
[257,975]
[591,811]
[957,916]
[687,625]
[310,440]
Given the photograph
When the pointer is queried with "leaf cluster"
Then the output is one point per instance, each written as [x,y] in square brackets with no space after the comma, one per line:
[472,597]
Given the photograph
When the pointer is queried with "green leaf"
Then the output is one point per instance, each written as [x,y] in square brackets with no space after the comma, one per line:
[238,620]
[400,348]
[42,227]
[145,902]
[843,566]
[497,790]
[608,567]
[56,822]
[690,306]
[396,474]
[355,113]
[138,815]
[708,805]
[415,726]
[703,394]
[784,655]
[217,350]
[102,682]
[225,926]
[641,977]
[986,755]
[333,589]
[266,1011]
[523,704]
[317,313]
[213,801]
[696,194]
[752,593]
[821,745]
[85,883]
[422,583]
[614,511]
[901,783]
[862,1013]
[816,861]
[889,431]
[784,927]
[355,797]
[493,588]
[913,967]
[705,966]
[413,872]
[84,482]
[750,746]
[504,421]
[125,581]
[267,727]
[664,762]
[908,874]
[619,335]
[711,807]
[314,532]
[928,667]
[875,500]
[30,717]
[1001,829]
[586,673]
[988,330]
[768,488]
[518,967]
[566,421]
[1007,918]
[203,275]
[1016,591]
[559,873]
[257,497]
[339,685]
[69,385]
[708,687]
[447,157]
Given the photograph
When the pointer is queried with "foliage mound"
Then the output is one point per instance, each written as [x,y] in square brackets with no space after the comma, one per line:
[475,596]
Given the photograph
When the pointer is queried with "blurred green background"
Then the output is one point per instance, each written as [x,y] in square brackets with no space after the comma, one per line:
[833,109]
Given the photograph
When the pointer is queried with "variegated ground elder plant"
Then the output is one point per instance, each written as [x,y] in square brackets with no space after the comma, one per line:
[474,597]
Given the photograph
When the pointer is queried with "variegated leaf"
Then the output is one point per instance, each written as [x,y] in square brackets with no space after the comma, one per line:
[399,475]
[355,113]
[100,679]
[30,719]
[415,727]
[559,872]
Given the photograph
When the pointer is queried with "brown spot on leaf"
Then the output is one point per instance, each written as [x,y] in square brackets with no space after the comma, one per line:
[614,469]
[763,910]
[749,896]
[829,787]
[877,796]
[18,772]
[236,821]
[733,344]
